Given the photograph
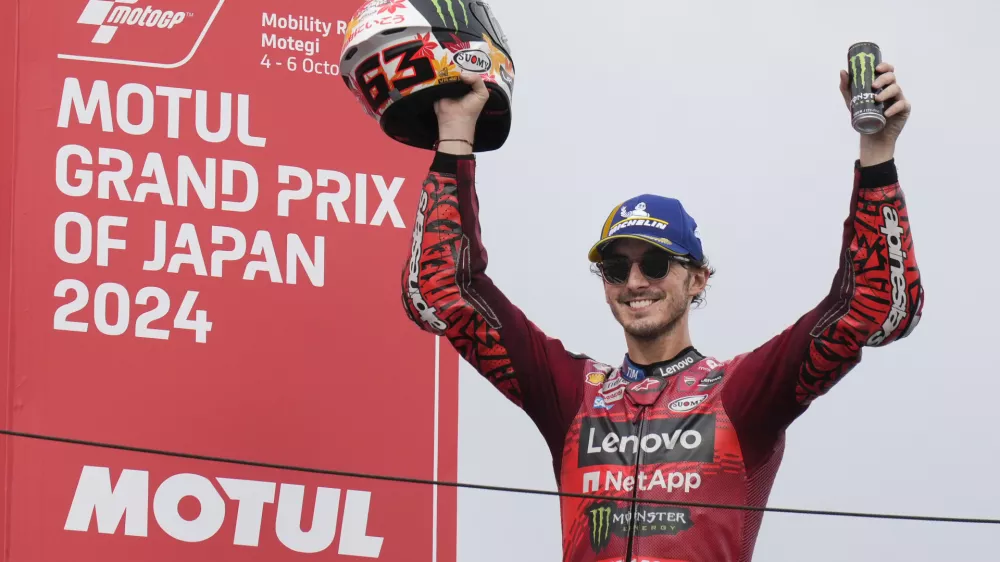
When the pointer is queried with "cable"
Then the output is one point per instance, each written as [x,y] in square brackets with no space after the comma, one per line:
[293,468]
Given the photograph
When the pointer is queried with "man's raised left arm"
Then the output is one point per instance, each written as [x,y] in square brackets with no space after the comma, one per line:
[875,298]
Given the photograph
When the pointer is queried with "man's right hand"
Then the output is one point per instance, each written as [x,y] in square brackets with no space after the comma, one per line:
[457,117]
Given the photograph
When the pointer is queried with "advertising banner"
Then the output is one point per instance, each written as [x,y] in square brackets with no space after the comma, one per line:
[204,237]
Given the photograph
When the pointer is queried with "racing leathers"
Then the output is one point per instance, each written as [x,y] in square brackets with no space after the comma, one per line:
[693,429]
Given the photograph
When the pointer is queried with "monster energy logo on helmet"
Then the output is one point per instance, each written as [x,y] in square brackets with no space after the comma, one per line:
[450,6]
[863,65]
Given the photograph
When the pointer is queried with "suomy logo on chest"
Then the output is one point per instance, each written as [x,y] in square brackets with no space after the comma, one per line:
[686,403]
[690,439]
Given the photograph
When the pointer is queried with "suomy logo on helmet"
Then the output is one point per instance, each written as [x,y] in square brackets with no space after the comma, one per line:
[108,15]
[473,60]
[450,6]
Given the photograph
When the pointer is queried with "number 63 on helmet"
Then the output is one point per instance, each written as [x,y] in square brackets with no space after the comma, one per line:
[400,56]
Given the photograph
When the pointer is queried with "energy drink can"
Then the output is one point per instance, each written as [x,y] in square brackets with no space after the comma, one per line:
[867,115]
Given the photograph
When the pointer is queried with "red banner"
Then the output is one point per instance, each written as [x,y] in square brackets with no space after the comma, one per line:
[205,255]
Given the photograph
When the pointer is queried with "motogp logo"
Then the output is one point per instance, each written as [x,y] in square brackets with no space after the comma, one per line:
[107,15]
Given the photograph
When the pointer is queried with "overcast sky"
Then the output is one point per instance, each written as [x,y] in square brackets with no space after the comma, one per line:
[733,108]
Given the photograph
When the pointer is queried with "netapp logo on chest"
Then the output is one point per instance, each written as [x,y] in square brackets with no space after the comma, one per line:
[687,439]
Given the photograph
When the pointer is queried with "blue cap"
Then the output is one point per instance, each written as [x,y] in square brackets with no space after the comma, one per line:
[660,221]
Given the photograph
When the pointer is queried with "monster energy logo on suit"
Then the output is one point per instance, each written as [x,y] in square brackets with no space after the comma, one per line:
[607,519]
[866,113]
[450,6]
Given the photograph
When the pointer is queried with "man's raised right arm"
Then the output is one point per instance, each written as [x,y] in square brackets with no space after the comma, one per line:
[446,292]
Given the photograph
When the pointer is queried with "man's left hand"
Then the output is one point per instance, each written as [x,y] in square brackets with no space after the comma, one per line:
[880,147]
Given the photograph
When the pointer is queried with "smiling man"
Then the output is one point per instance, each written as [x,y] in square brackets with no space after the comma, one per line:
[634,256]
[668,423]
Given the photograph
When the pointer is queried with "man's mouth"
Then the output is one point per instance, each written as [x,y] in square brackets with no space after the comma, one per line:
[639,304]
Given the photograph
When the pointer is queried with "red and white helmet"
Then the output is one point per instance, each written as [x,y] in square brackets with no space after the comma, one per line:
[400,56]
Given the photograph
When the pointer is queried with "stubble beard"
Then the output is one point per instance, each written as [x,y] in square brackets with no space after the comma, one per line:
[649,329]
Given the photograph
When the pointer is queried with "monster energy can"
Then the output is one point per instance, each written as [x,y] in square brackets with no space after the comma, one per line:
[866,114]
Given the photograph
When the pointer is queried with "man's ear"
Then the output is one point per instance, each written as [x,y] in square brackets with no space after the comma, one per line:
[697,280]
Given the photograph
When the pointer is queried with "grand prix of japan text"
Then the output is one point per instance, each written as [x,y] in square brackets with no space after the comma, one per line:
[105,172]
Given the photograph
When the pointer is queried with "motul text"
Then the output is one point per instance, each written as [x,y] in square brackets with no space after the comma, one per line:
[189,174]
[95,497]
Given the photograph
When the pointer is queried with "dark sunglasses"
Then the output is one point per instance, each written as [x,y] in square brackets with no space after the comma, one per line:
[654,265]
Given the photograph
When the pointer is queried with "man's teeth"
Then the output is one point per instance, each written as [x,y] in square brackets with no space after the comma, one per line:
[640,304]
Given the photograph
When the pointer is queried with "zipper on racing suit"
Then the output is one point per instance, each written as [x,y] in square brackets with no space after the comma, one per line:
[635,488]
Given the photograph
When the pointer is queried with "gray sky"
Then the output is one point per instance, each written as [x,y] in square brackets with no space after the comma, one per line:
[735,110]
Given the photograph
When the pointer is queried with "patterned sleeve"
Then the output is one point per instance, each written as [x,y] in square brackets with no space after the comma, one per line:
[876,298]
[446,292]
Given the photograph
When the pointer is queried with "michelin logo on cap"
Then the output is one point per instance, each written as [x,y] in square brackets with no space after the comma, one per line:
[631,220]
[640,211]
[661,221]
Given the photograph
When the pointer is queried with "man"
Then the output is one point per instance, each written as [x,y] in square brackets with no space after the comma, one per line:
[669,423]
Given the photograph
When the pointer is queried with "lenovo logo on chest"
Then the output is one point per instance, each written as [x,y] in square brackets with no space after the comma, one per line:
[688,439]
[676,367]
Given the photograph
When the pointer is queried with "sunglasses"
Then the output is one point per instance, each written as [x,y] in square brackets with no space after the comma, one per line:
[654,265]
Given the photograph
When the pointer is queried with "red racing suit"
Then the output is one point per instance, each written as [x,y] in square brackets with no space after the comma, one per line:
[691,429]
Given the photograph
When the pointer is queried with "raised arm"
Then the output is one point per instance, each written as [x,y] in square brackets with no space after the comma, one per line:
[876,298]
[446,291]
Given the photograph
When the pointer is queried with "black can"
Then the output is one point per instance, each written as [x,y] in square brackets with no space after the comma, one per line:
[867,115]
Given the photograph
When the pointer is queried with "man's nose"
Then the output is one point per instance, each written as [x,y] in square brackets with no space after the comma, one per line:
[636,280]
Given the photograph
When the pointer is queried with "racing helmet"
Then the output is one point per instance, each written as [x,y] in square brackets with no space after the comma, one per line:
[400,56]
